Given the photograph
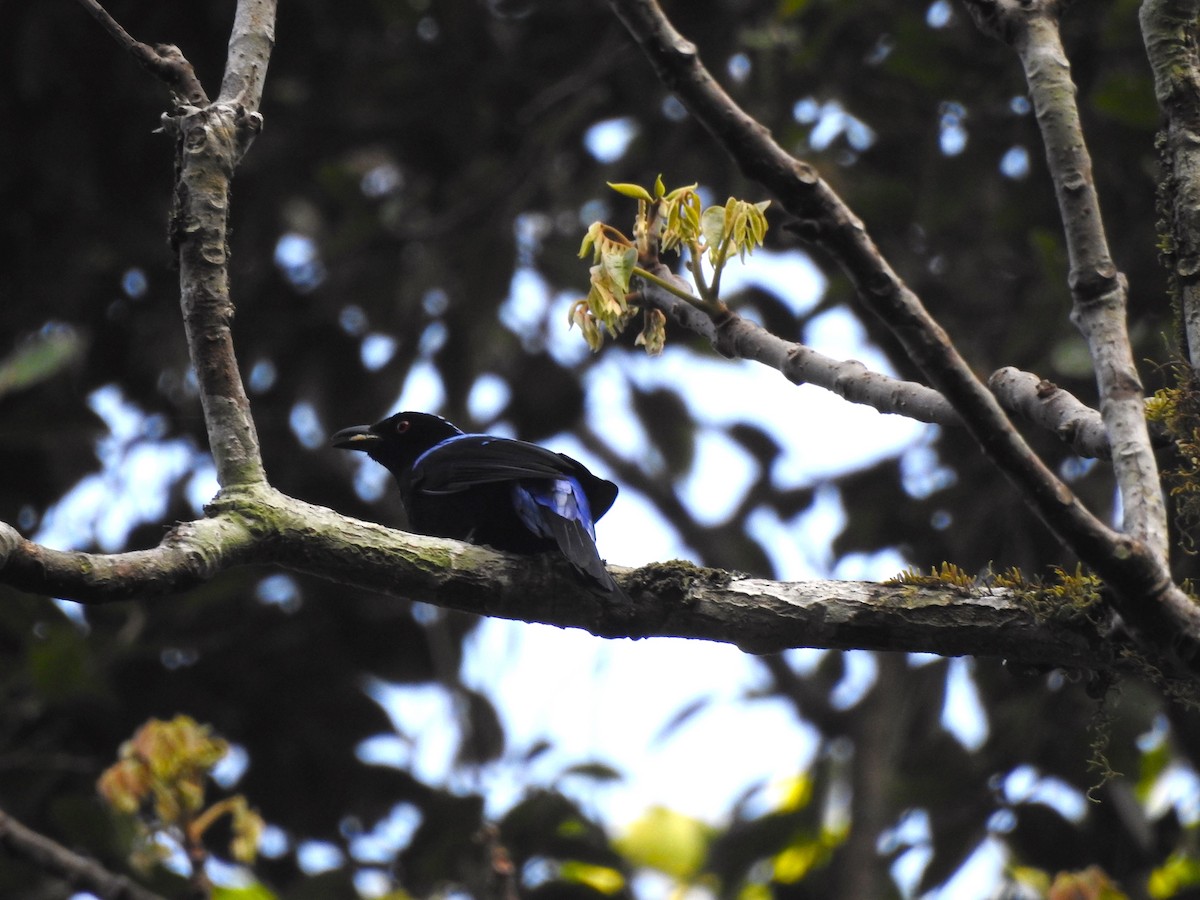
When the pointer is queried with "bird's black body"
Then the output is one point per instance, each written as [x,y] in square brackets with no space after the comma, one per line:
[507,494]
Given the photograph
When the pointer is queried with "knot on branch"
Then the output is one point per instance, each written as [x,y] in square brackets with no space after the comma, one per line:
[1103,284]
[169,64]
[683,50]
[247,126]
[1005,20]
[218,132]
[809,230]
[10,540]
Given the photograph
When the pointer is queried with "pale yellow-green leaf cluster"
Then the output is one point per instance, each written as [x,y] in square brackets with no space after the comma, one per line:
[614,257]
[160,777]
[667,841]
[666,220]
[742,227]
[681,213]
[166,763]
[654,332]
[602,879]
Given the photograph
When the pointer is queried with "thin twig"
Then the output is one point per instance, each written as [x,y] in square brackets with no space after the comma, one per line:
[76,870]
[1037,401]
[737,337]
[165,61]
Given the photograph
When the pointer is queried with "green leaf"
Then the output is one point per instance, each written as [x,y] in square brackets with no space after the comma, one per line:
[618,263]
[712,226]
[636,191]
[604,879]
[745,224]
[1154,762]
[39,358]
[654,332]
[594,236]
[666,841]
[682,207]
[252,892]
[796,861]
[1178,873]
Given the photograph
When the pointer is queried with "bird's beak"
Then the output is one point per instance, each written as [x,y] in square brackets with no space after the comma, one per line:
[356,437]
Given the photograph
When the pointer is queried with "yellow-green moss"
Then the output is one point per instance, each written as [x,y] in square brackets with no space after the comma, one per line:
[948,575]
[1179,408]
[1061,597]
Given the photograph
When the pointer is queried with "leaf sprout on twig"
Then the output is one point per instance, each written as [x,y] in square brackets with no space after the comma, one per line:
[665,221]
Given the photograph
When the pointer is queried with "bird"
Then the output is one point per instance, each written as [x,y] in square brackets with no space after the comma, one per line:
[507,494]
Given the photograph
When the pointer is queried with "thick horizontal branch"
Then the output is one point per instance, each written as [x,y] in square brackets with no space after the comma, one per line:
[257,524]
[190,554]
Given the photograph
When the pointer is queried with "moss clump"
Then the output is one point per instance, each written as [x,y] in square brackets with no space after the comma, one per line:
[1061,597]
[676,576]
[1178,408]
[948,575]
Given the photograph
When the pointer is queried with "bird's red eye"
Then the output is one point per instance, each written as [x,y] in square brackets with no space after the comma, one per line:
[402,426]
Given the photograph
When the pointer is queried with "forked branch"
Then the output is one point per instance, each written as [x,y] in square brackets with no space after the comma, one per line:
[1135,570]
[1098,289]
[166,61]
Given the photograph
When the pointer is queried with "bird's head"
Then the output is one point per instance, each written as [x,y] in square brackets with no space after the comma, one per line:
[397,441]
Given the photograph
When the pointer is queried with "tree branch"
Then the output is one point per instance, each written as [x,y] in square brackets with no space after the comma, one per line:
[260,525]
[1036,400]
[1138,573]
[1098,289]
[737,337]
[250,46]
[1058,411]
[76,870]
[165,61]
[190,554]
[210,142]
[1170,32]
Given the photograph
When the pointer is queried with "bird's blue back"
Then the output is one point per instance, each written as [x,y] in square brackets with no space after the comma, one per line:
[507,494]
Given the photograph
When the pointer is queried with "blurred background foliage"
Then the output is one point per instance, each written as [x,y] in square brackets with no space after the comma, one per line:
[420,158]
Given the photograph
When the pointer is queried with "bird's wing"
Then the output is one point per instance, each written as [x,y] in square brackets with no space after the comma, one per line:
[558,510]
[470,460]
[555,496]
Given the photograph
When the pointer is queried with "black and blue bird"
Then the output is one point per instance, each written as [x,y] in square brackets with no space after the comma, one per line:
[510,495]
